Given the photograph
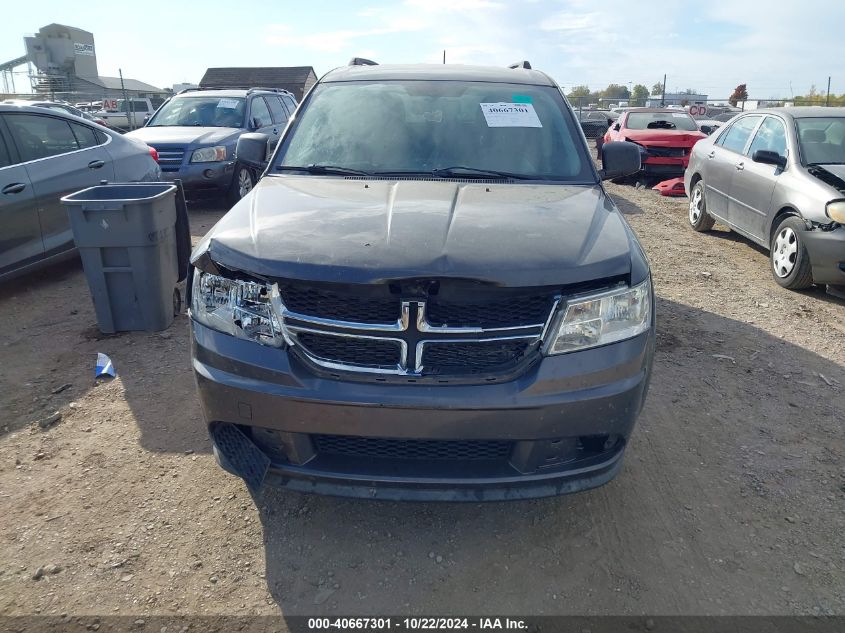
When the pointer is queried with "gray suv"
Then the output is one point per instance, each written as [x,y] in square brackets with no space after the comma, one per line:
[195,133]
[428,295]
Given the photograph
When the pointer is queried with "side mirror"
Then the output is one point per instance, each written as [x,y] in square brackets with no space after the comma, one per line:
[618,159]
[768,157]
[251,150]
[707,129]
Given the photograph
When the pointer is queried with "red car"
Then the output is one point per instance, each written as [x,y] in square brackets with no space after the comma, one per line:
[665,137]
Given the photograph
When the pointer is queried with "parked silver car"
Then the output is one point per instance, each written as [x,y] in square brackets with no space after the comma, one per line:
[44,155]
[777,176]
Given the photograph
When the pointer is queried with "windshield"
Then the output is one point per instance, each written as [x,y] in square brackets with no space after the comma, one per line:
[661,121]
[424,127]
[822,140]
[202,111]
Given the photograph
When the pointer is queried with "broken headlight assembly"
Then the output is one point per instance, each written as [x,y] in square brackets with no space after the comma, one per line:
[236,307]
[599,319]
[836,211]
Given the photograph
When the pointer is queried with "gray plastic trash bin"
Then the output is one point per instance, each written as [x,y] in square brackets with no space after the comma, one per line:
[126,237]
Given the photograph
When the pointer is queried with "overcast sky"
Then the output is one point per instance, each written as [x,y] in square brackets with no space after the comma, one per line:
[777,47]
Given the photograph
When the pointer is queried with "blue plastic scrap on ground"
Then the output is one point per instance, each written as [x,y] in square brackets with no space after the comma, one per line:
[104,366]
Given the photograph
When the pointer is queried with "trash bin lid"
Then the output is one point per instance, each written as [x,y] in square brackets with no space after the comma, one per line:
[120,192]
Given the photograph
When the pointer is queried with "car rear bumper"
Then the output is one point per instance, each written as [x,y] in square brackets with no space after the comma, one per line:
[560,427]
[827,255]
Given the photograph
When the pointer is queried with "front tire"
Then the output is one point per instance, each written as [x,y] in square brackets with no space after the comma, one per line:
[242,183]
[699,219]
[789,257]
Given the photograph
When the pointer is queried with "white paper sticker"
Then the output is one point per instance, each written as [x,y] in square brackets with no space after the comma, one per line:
[231,104]
[510,115]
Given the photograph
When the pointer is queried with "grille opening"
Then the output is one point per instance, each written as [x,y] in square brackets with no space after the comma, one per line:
[492,313]
[352,351]
[413,449]
[474,357]
[341,306]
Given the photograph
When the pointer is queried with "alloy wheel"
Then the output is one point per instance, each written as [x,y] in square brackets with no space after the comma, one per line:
[244,182]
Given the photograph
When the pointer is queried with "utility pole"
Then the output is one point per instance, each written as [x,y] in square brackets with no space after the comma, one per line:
[663,98]
[827,101]
[444,56]
[130,119]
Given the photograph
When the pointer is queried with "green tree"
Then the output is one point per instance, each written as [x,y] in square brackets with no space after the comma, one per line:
[579,91]
[639,94]
[657,89]
[740,94]
[615,91]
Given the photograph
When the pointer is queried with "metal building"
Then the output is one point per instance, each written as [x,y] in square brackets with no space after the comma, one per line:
[62,64]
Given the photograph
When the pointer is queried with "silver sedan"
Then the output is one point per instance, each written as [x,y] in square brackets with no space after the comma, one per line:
[777,177]
[47,154]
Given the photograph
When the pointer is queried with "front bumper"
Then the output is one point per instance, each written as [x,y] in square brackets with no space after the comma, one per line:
[202,179]
[660,166]
[567,420]
[827,255]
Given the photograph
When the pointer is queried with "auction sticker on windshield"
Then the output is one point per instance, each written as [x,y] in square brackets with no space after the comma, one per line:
[510,115]
[231,104]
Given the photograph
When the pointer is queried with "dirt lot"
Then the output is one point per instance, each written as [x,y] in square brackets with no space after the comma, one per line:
[731,501]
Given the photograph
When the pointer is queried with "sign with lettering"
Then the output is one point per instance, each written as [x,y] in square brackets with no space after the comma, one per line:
[83,49]
[510,115]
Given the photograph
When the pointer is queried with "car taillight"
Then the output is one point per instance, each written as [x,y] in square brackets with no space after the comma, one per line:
[101,122]
[154,154]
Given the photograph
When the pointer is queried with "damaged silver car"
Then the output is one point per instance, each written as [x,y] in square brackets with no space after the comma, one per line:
[777,177]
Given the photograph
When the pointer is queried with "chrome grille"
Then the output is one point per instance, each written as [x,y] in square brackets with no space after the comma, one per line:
[352,350]
[170,159]
[439,336]
[332,304]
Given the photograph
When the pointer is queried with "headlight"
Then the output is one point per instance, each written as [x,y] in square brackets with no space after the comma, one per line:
[836,211]
[239,308]
[603,318]
[209,154]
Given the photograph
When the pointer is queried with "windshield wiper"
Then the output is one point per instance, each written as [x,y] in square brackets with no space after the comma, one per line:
[460,171]
[324,169]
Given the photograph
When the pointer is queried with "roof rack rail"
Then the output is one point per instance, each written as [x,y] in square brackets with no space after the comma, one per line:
[523,64]
[261,88]
[184,90]
[361,61]
[249,89]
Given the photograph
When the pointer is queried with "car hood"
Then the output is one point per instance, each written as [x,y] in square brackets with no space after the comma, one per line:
[836,170]
[668,138]
[370,231]
[185,135]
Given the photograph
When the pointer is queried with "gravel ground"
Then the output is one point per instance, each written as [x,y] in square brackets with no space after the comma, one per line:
[730,502]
